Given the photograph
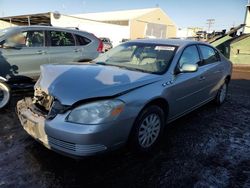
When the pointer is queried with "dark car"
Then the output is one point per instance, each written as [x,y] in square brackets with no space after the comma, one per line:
[107,44]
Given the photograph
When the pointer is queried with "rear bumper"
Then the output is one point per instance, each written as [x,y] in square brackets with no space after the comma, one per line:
[67,138]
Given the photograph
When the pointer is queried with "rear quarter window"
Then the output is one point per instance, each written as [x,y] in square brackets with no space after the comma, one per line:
[82,41]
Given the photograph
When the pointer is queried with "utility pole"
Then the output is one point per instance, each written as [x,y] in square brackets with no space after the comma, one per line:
[210,22]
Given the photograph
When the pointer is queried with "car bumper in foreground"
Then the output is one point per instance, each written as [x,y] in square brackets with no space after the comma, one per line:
[66,138]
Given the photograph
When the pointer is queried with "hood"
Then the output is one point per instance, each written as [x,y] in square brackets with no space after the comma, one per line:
[75,82]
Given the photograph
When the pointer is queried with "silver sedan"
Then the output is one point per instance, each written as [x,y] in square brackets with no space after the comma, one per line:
[127,96]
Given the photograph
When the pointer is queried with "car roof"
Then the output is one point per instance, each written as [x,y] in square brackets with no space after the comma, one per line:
[171,42]
[17,28]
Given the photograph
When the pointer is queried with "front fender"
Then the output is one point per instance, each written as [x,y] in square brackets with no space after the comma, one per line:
[3,79]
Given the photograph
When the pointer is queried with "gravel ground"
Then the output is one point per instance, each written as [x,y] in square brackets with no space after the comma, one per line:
[208,148]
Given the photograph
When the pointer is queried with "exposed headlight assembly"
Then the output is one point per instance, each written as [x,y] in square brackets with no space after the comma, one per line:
[96,112]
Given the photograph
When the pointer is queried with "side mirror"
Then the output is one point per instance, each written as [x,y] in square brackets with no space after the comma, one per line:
[188,68]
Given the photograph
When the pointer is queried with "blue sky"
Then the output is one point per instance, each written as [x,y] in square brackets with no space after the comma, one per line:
[185,13]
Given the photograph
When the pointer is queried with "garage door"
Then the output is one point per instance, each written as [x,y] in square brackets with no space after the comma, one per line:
[156,30]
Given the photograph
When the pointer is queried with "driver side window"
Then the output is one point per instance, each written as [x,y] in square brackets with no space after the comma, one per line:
[27,39]
[190,55]
[18,40]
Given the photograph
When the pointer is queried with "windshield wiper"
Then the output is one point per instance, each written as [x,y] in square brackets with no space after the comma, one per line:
[123,67]
[134,69]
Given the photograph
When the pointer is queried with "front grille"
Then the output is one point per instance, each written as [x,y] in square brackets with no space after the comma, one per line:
[63,144]
[75,148]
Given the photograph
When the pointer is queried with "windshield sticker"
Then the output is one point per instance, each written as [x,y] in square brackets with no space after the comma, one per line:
[169,48]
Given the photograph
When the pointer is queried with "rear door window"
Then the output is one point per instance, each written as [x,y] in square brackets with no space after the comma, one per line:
[209,54]
[190,55]
[60,38]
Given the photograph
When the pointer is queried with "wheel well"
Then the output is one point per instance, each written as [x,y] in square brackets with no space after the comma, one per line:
[228,78]
[84,60]
[162,103]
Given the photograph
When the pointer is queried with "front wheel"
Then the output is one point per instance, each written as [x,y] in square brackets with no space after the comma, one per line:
[222,94]
[4,95]
[147,129]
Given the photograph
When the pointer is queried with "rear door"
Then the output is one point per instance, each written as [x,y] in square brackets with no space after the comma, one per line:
[26,57]
[62,47]
[83,51]
[214,69]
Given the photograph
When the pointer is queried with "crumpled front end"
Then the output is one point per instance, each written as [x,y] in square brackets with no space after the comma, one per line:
[62,89]
[32,121]
[44,118]
[53,134]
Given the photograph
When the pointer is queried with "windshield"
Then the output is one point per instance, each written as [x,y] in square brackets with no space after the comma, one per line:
[151,58]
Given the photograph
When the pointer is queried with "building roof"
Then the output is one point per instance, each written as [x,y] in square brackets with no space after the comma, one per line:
[116,15]
[41,18]
[239,38]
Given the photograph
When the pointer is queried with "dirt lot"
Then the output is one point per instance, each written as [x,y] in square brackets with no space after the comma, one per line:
[207,148]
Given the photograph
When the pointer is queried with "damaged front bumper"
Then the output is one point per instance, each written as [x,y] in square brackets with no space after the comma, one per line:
[69,139]
[33,123]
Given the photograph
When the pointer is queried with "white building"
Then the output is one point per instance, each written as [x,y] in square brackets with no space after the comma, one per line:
[116,25]
[247,20]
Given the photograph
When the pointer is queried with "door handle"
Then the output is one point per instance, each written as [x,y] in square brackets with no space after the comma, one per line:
[77,50]
[218,71]
[202,78]
[41,52]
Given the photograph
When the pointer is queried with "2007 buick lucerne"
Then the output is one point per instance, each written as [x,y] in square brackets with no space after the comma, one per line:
[127,95]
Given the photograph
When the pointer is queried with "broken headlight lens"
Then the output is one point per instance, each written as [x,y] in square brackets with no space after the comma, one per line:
[96,112]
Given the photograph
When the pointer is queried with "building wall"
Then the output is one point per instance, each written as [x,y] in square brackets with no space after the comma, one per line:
[4,24]
[138,25]
[240,51]
[188,32]
[247,20]
[119,22]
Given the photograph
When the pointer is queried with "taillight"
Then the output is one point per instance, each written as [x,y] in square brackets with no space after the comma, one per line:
[100,46]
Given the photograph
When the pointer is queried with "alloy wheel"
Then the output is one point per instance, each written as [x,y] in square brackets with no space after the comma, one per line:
[223,93]
[149,130]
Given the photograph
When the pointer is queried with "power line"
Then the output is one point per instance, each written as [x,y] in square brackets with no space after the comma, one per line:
[210,22]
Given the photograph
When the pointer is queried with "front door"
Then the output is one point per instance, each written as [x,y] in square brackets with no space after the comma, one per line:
[24,56]
[187,89]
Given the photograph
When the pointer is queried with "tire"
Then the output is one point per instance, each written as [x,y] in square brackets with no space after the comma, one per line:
[222,94]
[147,129]
[5,95]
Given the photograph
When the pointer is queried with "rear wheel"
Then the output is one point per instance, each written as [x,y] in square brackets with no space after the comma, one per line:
[222,94]
[147,129]
[4,95]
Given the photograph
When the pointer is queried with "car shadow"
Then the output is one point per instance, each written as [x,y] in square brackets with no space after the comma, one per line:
[11,72]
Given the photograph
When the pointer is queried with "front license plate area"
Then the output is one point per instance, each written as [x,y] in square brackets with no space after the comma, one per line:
[32,128]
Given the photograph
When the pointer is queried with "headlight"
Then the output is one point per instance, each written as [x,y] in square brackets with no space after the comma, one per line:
[96,112]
